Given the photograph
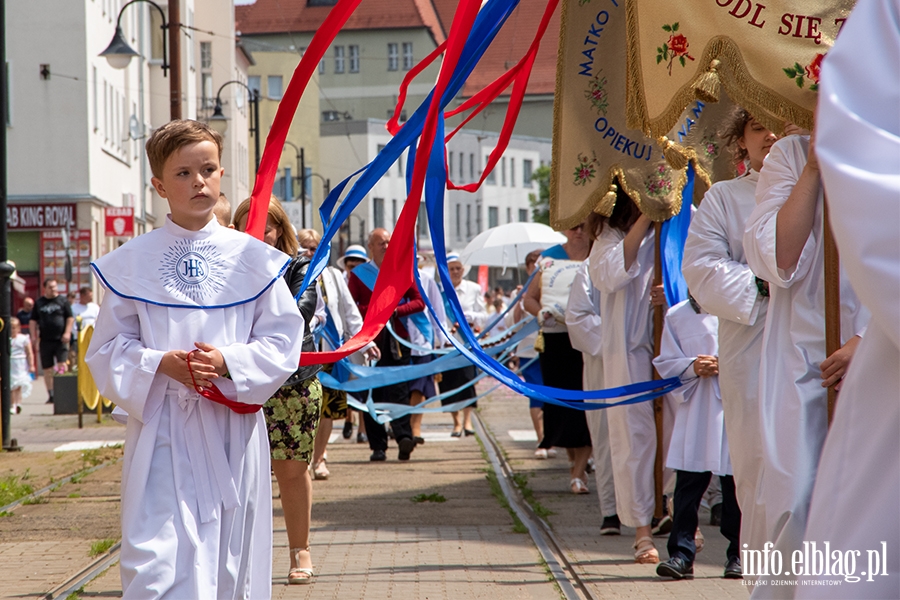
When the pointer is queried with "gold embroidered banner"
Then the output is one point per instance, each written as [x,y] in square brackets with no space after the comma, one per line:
[593,149]
[767,56]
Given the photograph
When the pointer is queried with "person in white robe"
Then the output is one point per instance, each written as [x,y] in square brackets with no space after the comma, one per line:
[855,499]
[583,323]
[698,449]
[621,267]
[196,489]
[784,245]
[718,276]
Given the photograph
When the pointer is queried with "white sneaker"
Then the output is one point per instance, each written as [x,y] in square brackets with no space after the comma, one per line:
[540,453]
[551,453]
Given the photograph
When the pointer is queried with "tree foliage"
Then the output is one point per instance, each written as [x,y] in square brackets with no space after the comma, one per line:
[540,202]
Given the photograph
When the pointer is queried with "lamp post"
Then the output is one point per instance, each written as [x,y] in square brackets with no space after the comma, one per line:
[219,121]
[119,54]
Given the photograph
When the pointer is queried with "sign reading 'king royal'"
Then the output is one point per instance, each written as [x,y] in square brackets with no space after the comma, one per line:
[40,216]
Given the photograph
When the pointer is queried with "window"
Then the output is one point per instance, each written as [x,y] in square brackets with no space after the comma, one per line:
[493,216]
[407,56]
[322,67]
[338,59]
[330,115]
[458,222]
[512,172]
[190,46]
[462,161]
[400,166]
[95,104]
[468,221]
[508,215]
[393,57]
[274,83]
[422,221]
[492,176]
[503,171]
[354,58]
[450,164]
[472,167]
[253,82]
[206,85]
[527,170]
[156,41]
[206,55]
[523,215]
[378,212]
[394,210]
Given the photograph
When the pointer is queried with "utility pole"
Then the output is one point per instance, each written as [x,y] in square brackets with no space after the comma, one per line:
[175,61]
[5,269]
[302,176]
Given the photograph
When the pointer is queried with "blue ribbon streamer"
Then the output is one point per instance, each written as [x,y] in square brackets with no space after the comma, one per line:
[673,234]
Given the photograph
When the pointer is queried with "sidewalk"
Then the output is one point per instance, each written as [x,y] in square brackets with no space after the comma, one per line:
[371,539]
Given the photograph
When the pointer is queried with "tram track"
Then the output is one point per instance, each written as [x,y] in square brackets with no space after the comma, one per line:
[550,548]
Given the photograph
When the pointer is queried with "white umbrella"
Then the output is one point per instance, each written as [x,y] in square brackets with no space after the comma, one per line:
[508,245]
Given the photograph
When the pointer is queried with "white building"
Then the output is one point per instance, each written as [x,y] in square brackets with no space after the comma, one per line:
[503,198]
[76,127]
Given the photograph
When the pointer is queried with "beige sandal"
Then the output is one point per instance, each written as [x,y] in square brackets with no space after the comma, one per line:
[645,552]
[299,575]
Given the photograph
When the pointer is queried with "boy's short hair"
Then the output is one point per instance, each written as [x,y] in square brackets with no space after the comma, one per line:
[174,135]
[222,210]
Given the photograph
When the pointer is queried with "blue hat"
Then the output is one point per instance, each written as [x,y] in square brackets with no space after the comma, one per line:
[354,251]
[453,256]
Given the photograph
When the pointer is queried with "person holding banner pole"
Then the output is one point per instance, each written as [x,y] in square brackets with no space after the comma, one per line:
[715,269]
[785,246]
[621,266]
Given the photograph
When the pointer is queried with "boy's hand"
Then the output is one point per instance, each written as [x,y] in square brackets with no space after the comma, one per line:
[209,355]
[174,365]
[657,296]
[706,366]
[835,366]
[373,354]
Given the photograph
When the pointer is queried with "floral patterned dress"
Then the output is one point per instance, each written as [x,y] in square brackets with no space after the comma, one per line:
[292,418]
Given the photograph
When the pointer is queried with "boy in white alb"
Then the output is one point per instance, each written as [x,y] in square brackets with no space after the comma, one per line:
[196,332]
[699,446]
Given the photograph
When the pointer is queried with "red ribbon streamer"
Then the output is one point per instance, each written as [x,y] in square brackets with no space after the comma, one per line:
[268,165]
[215,394]
[395,275]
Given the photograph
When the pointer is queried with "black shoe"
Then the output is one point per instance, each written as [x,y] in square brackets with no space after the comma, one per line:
[661,526]
[456,434]
[733,569]
[611,526]
[676,568]
[419,440]
[49,400]
[469,432]
[715,515]
[362,438]
[348,430]
[406,445]
[378,456]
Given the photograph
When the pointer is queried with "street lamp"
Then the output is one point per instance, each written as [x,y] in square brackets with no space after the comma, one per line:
[119,54]
[219,121]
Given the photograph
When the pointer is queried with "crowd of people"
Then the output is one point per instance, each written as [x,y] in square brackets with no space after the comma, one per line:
[203,362]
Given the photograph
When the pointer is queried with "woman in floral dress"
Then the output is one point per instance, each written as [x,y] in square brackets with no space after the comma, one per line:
[292,414]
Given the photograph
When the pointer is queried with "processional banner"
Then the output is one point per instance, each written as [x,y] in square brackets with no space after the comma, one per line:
[594,150]
[767,55]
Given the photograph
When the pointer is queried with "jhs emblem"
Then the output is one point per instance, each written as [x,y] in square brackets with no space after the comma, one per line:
[192,269]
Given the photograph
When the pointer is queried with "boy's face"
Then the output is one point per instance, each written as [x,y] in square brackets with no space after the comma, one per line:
[190,182]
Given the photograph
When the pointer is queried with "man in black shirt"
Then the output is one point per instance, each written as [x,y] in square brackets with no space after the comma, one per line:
[51,329]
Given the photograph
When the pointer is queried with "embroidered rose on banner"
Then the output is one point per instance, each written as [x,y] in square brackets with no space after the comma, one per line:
[585,171]
[675,47]
[597,94]
[710,147]
[811,72]
[658,184]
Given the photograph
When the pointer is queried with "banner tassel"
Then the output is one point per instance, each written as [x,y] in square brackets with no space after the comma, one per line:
[608,202]
[707,87]
[675,154]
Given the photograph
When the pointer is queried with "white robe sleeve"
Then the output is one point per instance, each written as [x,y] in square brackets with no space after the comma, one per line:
[437,301]
[582,320]
[723,286]
[271,355]
[122,366]
[607,262]
[864,166]
[476,315]
[777,179]
[673,362]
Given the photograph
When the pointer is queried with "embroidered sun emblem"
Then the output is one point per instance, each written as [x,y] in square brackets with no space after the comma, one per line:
[192,269]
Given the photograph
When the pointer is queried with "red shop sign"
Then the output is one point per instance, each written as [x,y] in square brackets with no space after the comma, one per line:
[119,221]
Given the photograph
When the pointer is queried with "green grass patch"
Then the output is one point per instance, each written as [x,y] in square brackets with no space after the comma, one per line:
[76,595]
[5,513]
[521,481]
[74,495]
[38,500]
[12,488]
[428,498]
[101,546]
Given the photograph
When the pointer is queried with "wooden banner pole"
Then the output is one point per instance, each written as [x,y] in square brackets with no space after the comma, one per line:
[657,403]
[832,302]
